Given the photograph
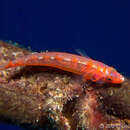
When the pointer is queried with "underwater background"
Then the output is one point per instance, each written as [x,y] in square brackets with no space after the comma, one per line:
[100,28]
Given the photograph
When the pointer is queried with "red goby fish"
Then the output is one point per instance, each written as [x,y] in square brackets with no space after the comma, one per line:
[90,69]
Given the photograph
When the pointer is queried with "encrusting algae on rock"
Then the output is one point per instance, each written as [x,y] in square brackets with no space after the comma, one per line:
[44,95]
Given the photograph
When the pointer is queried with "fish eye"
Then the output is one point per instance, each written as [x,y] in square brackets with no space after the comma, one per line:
[109,79]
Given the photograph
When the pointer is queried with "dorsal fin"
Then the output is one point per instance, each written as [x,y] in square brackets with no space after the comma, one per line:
[82,53]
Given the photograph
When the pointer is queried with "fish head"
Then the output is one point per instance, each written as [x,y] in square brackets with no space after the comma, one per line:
[112,76]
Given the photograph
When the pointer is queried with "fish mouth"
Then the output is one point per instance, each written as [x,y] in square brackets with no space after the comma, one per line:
[119,80]
[122,78]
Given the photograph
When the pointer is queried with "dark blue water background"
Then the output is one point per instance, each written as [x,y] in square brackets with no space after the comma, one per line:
[99,27]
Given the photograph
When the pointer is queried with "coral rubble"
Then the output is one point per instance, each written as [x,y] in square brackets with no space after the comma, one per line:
[37,95]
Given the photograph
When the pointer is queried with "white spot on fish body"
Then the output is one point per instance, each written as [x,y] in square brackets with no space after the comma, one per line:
[80,62]
[33,53]
[26,59]
[101,69]
[40,57]
[106,72]
[52,57]
[67,59]
[94,66]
